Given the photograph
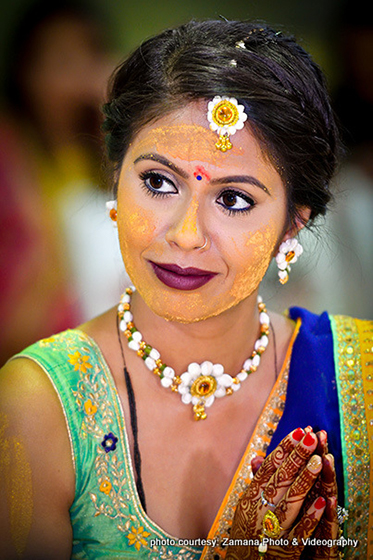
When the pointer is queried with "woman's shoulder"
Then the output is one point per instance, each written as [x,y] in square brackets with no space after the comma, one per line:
[325,321]
[308,318]
[26,380]
[346,342]
[37,374]
[37,458]
[57,362]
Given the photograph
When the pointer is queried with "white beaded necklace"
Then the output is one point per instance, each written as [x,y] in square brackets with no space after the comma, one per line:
[201,383]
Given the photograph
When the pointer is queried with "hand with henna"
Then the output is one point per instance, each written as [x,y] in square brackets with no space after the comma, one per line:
[284,479]
[325,486]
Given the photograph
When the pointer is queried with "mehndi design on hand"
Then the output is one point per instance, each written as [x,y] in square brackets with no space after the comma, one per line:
[286,478]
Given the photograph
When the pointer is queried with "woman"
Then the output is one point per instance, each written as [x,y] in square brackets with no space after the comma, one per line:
[223,144]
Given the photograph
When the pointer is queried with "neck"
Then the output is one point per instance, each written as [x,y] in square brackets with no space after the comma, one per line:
[227,339]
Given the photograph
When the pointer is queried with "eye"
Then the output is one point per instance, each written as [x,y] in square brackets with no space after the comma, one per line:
[235,201]
[157,184]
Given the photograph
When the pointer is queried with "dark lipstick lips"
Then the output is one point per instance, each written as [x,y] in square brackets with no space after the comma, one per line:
[179,278]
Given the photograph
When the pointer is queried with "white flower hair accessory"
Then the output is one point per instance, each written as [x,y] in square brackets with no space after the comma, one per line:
[225,116]
[288,253]
[111,208]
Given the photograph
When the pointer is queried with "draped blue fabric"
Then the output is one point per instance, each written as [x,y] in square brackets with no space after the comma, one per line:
[312,398]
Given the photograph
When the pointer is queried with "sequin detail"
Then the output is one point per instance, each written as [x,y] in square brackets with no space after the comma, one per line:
[365,329]
[258,446]
[355,445]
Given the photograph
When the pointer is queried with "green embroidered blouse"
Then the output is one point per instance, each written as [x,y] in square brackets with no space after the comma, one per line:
[107,518]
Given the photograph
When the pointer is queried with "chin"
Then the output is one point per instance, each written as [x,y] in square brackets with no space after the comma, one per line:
[195,314]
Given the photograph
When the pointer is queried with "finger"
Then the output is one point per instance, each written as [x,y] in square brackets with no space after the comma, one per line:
[256,463]
[285,475]
[328,530]
[322,445]
[288,508]
[331,514]
[273,462]
[309,521]
[328,484]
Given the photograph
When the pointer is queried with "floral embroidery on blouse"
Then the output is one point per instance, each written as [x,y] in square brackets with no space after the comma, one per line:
[47,341]
[109,443]
[114,498]
[80,362]
[95,424]
[137,537]
[90,408]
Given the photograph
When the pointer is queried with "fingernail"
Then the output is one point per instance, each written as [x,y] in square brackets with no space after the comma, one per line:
[330,458]
[320,503]
[308,429]
[327,474]
[256,463]
[323,436]
[297,434]
[309,439]
[314,463]
[332,502]
[330,510]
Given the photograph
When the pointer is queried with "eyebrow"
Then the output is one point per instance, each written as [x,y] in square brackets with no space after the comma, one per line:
[241,179]
[164,161]
[220,181]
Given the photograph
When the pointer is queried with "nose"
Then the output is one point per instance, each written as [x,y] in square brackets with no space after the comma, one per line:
[187,231]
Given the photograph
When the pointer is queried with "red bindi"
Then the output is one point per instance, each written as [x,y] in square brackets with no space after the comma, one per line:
[201,172]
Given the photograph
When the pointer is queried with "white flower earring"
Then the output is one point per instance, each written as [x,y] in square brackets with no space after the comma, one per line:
[111,207]
[288,253]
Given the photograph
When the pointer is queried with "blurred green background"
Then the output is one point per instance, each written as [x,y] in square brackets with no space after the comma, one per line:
[314,22]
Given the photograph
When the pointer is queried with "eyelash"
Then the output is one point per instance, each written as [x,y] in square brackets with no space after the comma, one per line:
[150,191]
[245,197]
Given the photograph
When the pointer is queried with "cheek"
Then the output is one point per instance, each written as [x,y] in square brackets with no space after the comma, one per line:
[253,259]
[139,226]
[136,231]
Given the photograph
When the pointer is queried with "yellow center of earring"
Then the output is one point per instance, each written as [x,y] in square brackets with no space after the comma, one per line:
[204,386]
[225,113]
[290,256]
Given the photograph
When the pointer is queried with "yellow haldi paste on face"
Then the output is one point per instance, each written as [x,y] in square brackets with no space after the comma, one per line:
[188,142]
[189,224]
[262,244]
[160,225]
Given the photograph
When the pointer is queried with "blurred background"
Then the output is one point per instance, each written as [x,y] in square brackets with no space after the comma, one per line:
[59,257]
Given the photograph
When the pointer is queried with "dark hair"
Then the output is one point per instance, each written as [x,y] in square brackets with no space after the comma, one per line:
[282,89]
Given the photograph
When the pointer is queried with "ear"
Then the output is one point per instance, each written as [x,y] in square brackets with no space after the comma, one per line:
[301,220]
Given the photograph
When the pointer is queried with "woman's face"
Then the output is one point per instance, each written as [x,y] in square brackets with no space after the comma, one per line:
[197,227]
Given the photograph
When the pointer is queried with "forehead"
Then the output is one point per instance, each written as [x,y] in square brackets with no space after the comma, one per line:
[185,135]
